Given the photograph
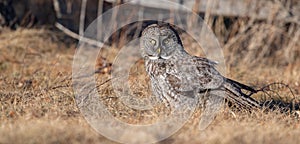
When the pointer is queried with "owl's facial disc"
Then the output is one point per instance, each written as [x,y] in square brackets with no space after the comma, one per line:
[159,42]
[160,47]
[151,47]
[168,45]
[156,55]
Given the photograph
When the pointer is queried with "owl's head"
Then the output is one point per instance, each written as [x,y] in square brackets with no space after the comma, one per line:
[159,42]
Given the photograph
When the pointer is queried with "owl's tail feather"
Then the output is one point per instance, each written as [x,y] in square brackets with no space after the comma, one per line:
[241,86]
[235,94]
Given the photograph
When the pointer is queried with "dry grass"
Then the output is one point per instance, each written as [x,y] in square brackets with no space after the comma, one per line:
[37,101]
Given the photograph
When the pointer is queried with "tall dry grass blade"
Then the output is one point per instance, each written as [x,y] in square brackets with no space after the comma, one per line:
[57,8]
[82,17]
[99,19]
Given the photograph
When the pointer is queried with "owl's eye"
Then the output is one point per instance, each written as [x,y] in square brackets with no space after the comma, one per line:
[152,41]
[166,41]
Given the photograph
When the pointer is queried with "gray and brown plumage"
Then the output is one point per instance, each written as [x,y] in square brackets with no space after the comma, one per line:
[175,75]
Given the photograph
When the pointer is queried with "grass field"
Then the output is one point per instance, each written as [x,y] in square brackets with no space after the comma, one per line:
[37,103]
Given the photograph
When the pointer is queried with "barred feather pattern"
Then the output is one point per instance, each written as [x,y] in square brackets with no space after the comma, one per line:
[180,77]
[175,79]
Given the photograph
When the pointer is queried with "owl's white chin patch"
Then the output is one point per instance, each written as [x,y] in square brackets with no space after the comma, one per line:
[153,58]
[167,57]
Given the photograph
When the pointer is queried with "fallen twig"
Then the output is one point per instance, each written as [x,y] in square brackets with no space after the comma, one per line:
[78,37]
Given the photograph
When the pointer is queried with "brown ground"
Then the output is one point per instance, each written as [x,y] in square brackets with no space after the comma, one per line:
[37,103]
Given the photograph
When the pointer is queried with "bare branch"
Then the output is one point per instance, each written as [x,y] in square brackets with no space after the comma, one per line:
[78,37]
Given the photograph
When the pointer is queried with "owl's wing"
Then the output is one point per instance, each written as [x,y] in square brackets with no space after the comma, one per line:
[193,74]
[205,76]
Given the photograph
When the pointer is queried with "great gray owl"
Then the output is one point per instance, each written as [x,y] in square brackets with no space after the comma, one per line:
[175,75]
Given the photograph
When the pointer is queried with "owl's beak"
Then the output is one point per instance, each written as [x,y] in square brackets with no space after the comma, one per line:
[158,50]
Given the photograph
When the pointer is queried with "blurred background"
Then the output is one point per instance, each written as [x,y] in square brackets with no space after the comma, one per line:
[251,32]
[38,38]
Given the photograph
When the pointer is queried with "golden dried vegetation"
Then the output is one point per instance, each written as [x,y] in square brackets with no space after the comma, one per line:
[37,103]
